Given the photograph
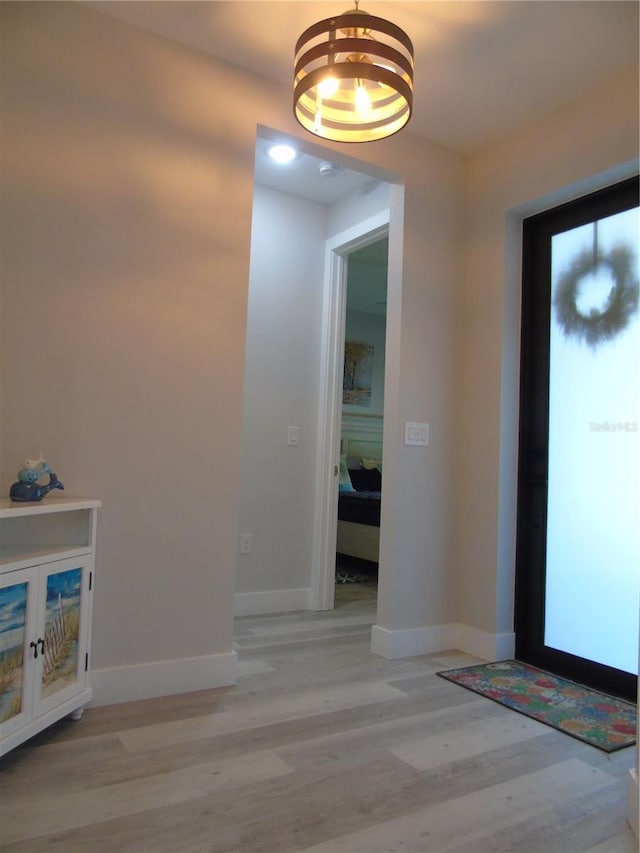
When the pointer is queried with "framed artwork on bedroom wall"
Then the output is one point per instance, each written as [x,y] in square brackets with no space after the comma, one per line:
[358,374]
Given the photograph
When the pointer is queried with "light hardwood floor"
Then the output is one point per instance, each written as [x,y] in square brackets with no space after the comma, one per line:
[320,747]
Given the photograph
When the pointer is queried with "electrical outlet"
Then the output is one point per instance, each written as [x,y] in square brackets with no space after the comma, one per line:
[246,543]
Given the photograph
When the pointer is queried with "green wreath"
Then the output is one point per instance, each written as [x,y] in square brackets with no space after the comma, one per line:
[622,303]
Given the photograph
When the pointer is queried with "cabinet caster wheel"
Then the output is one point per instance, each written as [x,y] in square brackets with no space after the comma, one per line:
[77,714]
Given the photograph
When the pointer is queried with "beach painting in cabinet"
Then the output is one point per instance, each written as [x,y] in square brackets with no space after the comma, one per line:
[62,631]
[13,613]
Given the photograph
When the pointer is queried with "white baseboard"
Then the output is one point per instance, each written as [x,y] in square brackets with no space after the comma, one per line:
[272,601]
[439,638]
[411,641]
[162,678]
[484,645]
[634,802]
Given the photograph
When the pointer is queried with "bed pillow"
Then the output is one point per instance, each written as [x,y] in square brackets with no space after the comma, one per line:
[344,479]
[366,480]
[370,464]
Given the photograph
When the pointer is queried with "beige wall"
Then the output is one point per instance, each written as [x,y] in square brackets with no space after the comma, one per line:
[127,193]
[422,348]
[281,390]
[125,236]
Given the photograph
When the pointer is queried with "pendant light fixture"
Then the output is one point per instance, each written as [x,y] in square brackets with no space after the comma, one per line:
[353,78]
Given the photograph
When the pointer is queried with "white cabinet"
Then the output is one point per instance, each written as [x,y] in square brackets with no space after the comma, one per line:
[46,589]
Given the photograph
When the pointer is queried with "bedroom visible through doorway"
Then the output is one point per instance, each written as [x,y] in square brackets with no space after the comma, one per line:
[361,424]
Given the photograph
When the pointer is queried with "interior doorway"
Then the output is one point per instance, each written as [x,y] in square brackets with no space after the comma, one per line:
[368,433]
[362,423]
[307,218]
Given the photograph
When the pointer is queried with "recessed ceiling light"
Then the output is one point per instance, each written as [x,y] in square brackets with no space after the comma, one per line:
[282,153]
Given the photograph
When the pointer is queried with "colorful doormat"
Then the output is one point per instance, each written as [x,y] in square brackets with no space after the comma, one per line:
[586,714]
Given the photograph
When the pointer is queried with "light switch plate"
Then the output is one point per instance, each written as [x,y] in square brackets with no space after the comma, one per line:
[293,436]
[416,434]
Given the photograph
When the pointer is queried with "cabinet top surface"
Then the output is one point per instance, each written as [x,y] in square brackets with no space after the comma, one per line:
[13,509]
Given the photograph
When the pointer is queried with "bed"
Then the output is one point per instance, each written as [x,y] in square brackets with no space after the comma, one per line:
[359,512]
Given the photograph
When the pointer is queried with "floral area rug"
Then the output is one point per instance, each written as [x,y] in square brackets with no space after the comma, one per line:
[595,718]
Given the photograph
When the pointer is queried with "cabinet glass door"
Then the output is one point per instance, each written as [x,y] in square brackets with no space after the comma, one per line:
[16,611]
[60,661]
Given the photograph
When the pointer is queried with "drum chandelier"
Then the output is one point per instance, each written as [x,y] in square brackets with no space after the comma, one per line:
[353,78]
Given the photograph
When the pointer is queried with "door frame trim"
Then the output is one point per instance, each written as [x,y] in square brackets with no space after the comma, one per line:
[334,308]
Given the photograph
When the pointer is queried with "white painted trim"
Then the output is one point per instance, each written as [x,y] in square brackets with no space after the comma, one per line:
[328,440]
[484,645]
[428,639]
[162,678]
[634,802]
[330,402]
[271,601]
[408,642]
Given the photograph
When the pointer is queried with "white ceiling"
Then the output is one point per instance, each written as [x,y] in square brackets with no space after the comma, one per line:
[482,68]
[303,176]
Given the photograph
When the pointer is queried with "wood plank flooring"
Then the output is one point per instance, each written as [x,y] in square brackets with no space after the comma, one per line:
[320,747]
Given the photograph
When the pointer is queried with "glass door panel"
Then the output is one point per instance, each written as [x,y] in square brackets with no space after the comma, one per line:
[593,548]
[60,662]
[13,625]
[18,599]
[578,539]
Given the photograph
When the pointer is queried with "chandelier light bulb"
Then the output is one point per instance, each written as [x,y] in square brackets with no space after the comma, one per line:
[363,101]
[328,87]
